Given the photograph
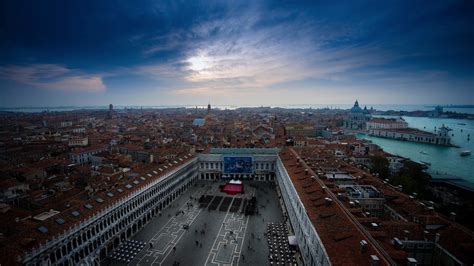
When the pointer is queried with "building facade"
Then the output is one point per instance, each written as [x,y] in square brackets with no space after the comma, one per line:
[78,142]
[311,246]
[300,130]
[383,123]
[88,242]
[409,134]
[356,118]
[85,156]
[212,167]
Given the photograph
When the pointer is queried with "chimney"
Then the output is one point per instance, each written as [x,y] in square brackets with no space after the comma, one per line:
[411,262]
[357,203]
[327,201]
[374,260]
[425,235]
[452,216]
[407,234]
[305,171]
[397,242]
[363,246]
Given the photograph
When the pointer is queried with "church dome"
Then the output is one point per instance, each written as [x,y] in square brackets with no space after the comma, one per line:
[366,111]
[356,108]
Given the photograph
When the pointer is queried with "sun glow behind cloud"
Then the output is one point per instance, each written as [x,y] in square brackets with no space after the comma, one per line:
[199,63]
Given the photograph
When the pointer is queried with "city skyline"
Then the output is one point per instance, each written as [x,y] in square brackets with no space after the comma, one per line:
[240,53]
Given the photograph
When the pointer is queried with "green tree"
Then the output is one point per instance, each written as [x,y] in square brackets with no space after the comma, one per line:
[413,178]
[381,166]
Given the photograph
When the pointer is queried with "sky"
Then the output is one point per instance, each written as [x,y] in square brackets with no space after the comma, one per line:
[150,52]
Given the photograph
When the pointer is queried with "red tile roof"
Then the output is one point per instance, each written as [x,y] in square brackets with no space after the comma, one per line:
[334,224]
[24,235]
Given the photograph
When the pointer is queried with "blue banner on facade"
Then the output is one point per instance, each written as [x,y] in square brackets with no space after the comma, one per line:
[238,165]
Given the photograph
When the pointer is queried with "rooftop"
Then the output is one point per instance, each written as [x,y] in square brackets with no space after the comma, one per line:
[245,150]
[340,233]
[27,233]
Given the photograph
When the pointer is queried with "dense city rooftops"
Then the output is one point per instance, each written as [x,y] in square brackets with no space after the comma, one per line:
[244,150]
[44,193]
[23,233]
[416,220]
[339,233]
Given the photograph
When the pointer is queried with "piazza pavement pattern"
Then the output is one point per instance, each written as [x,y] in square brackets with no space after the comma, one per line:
[214,237]
[167,238]
[228,244]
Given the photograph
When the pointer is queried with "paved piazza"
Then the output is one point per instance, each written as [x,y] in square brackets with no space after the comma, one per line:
[213,237]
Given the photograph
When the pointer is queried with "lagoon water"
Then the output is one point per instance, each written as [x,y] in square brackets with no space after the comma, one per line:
[444,160]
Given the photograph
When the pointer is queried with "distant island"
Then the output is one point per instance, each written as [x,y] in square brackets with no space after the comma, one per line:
[438,112]
[452,106]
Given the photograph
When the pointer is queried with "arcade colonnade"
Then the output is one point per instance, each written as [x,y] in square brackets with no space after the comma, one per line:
[311,248]
[90,241]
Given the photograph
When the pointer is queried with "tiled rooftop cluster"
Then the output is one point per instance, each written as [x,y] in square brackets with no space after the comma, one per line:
[59,168]
[409,219]
[50,183]
[74,206]
[341,236]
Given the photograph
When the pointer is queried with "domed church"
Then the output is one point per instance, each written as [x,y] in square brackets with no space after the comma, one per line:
[357,117]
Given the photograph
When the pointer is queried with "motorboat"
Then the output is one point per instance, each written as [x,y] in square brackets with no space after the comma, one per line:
[424,152]
[465,153]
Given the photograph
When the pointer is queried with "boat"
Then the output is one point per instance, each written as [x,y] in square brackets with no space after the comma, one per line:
[423,152]
[465,153]
[462,124]
[424,165]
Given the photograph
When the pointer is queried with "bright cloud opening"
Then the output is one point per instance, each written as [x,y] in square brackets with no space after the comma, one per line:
[199,63]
